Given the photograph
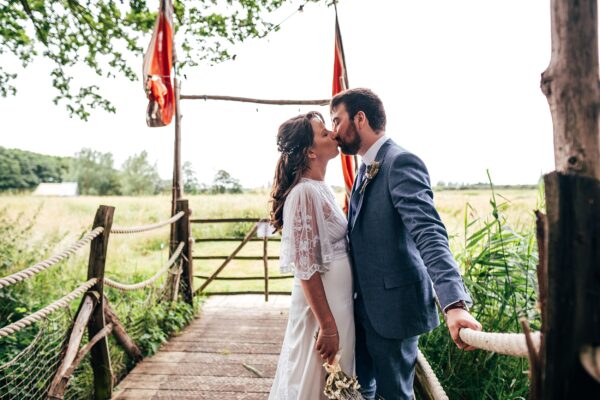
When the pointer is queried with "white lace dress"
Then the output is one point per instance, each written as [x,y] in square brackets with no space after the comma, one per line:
[313,240]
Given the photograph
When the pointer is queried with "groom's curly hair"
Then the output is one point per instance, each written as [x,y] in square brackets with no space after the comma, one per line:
[294,139]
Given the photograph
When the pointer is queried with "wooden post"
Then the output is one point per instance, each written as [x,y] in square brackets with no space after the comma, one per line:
[266,266]
[61,378]
[572,314]
[177,191]
[100,357]
[183,235]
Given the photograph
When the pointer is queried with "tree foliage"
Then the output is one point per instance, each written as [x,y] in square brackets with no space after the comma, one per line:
[94,173]
[21,169]
[105,35]
[138,176]
[225,183]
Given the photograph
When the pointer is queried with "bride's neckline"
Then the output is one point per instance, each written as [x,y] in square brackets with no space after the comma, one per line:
[312,180]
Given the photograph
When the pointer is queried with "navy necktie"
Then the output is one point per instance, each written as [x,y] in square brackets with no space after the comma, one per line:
[356,193]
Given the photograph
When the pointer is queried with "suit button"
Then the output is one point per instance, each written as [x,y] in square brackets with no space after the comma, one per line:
[355,295]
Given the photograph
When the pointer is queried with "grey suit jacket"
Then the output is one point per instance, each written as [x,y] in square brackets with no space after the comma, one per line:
[399,247]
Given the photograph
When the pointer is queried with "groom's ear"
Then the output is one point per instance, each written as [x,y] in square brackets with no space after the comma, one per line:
[361,118]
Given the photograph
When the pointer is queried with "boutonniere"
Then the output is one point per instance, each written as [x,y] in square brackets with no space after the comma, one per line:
[370,174]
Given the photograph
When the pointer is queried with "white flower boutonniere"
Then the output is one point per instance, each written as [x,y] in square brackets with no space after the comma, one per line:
[370,174]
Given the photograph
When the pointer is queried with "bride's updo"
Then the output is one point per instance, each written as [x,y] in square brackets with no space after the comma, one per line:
[294,139]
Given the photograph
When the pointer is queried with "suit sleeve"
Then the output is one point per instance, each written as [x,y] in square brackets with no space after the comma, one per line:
[412,196]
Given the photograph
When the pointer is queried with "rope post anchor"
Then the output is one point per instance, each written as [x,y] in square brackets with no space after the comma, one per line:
[100,356]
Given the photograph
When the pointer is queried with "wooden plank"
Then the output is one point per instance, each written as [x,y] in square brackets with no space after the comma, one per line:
[206,360]
[224,220]
[244,278]
[138,394]
[234,239]
[183,357]
[213,383]
[208,370]
[224,347]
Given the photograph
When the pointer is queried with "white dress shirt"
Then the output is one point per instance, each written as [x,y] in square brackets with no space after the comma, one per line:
[370,155]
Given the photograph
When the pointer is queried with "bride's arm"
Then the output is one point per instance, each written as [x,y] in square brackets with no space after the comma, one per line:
[328,341]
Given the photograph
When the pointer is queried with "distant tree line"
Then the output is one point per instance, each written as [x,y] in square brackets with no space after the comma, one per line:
[441,185]
[96,174]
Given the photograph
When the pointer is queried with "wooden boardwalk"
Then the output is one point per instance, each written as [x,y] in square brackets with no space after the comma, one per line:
[206,360]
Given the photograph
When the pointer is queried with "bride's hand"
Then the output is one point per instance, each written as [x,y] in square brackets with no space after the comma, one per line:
[328,344]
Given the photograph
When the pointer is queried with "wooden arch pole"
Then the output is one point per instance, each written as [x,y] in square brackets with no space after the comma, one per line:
[571,313]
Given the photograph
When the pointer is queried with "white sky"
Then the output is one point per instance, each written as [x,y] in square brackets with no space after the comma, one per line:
[459,80]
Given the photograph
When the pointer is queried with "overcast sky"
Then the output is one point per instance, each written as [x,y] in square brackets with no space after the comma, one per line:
[459,80]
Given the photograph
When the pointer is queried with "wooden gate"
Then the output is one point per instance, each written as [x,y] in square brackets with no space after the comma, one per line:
[251,236]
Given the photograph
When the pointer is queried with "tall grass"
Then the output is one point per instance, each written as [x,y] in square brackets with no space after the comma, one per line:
[499,264]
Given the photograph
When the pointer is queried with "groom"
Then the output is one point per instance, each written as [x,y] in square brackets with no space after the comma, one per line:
[399,247]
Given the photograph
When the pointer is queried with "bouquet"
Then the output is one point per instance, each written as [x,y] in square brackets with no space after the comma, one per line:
[338,385]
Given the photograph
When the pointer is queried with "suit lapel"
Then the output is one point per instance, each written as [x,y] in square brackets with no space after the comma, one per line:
[356,191]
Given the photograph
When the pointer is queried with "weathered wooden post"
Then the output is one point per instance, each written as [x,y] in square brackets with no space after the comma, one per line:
[182,233]
[100,356]
[266,265]
[571,318]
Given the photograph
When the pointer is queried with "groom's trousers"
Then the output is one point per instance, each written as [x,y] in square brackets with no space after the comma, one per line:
[385,367]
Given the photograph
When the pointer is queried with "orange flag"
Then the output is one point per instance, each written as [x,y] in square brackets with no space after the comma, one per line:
[158,63]
[340,83]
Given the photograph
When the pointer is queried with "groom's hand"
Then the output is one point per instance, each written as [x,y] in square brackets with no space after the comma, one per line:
[458,318]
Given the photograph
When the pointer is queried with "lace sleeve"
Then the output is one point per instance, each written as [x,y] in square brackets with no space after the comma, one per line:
[305,246]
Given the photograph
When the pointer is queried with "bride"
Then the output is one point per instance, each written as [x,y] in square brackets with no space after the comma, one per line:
[314,249]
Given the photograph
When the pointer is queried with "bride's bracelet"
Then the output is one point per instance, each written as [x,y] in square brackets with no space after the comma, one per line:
[334,335]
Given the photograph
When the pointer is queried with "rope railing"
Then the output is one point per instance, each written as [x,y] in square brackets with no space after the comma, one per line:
[512,344]
[150,281]
[144,228]
[437,390]
[41,266]
[44,312]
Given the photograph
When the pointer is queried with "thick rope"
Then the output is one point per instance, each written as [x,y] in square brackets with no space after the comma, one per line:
[145,228]
[150,281]
[44,312]
[39,267]
[512,344]
[434,384]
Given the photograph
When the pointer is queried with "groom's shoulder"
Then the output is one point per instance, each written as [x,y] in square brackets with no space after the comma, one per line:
[399,155]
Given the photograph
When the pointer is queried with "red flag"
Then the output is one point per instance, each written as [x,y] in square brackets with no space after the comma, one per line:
[340,83]
[158,62]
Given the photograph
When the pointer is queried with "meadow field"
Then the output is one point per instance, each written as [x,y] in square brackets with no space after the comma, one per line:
[60,221]
[491,236]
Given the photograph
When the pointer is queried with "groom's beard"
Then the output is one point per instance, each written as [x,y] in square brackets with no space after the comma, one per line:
[352,147]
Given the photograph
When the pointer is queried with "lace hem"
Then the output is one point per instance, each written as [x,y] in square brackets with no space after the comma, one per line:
[303,274]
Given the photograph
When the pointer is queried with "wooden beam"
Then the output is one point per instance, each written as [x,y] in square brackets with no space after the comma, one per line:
[321,102]
[573,303]
[571,318]
[120,334]
[61,378]
[243,278]
[571,86]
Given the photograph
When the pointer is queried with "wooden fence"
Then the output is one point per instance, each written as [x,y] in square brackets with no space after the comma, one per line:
[251,236]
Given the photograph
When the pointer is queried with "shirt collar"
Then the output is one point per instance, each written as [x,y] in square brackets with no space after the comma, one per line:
[370,155]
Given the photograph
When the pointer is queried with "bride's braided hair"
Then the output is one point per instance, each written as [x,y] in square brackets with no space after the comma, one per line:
[294,138]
